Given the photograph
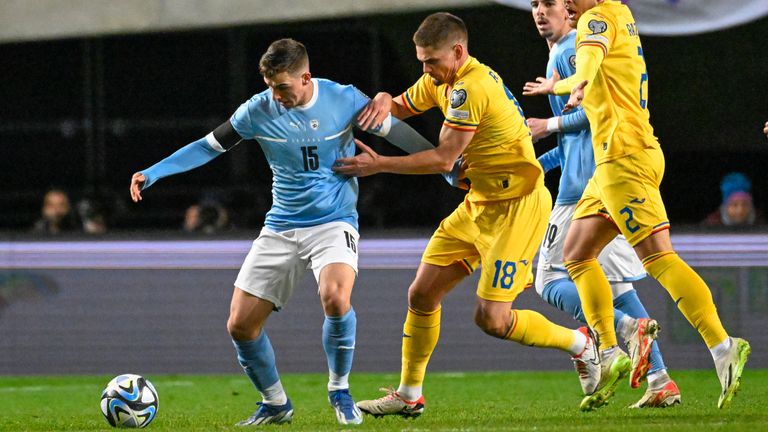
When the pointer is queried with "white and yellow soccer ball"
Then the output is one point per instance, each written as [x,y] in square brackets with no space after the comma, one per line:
[129,401]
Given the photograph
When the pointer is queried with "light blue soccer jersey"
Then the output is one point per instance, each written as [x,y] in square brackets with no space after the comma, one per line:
[301,145]
[574,143]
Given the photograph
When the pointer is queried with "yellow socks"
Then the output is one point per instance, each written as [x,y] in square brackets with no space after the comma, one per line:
[533,329]
[420,333]
[596,298]
[690,293]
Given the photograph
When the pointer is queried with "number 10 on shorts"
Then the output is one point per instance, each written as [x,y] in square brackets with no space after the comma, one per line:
[504,275]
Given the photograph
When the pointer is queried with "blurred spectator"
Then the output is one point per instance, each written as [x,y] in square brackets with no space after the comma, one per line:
[56,215]
[737,208]
[93,215]
[207,217]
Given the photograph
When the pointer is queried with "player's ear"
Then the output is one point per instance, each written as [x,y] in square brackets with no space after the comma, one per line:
[306,77]
[458,50]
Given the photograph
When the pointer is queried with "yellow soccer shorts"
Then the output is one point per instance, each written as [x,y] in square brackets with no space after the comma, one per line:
[626,191]
[501,235]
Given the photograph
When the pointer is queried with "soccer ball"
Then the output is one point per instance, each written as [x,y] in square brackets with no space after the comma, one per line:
[129,401]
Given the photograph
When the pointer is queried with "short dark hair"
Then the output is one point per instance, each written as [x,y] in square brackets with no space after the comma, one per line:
[284,55]
[440,28]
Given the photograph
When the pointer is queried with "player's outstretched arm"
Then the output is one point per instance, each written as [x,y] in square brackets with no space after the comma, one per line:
[186,158]
[437,160]
[765,129]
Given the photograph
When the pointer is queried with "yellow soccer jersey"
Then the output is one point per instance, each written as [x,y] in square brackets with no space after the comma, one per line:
[501,163]
[616,99]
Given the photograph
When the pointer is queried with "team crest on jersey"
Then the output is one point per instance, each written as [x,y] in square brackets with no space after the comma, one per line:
[314,124]
[597,27]
[458,97]
[572,61]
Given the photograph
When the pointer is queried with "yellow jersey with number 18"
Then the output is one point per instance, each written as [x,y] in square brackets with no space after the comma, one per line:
[501,162]
[616,101]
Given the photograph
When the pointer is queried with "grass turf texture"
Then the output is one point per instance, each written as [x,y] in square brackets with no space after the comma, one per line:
[497,401]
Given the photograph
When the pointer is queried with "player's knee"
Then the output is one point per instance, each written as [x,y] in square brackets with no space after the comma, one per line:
[335,305]
[240,330]
[496,326]
[421,298]
[335,299]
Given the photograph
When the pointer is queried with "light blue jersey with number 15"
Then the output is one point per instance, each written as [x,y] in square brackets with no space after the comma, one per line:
[301,145]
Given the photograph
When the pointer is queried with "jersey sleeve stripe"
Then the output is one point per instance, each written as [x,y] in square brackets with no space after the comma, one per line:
[597,44]
[461,128]
[460,123]
[409,104]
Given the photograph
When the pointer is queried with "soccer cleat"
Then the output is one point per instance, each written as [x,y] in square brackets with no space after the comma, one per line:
[729,368]
[587,363]
[347,413]
[392,404]
[269,414]
[665,397]
[614,366]
[639,347]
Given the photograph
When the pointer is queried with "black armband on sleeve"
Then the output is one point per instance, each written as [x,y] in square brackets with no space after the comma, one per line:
[226,135]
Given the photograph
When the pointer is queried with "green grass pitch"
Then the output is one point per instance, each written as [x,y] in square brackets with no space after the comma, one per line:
[495,401]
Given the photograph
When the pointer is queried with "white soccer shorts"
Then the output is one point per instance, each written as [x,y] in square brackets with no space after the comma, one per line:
[277,261]
[618,260]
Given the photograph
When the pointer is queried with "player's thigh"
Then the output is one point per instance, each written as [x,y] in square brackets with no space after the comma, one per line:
[449,256]
[511,232]
[591,227]
[331,250]
[620,262]
[550,264]
[630,192]
[247,315]
[272,268]
[432,283]
[453,242]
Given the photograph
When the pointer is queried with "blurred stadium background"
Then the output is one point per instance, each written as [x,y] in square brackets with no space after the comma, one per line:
[94,91]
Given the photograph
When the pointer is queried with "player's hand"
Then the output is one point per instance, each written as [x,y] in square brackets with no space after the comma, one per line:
[457,177]
[538,128]
[361,165]
[375,112]
[577,95]
[137,182]
[765,129]
[542,86]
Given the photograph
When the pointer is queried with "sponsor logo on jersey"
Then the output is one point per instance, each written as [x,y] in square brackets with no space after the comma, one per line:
[458,97]
[572,61]
[314,124]
[458,114]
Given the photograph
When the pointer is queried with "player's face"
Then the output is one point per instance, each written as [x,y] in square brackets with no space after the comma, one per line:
[551,18]
[576,8]
[440,63]
[290,90]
